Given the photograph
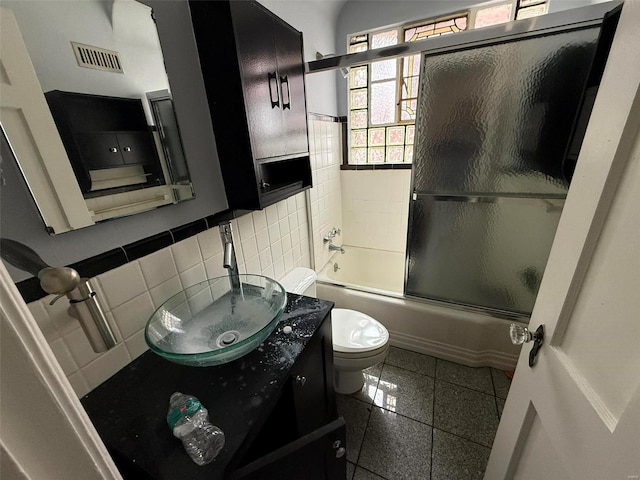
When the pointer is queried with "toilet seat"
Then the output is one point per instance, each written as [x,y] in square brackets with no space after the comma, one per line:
[361,355]
[356,334]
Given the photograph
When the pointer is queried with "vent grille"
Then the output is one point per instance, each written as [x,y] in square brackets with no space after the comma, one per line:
[97,58]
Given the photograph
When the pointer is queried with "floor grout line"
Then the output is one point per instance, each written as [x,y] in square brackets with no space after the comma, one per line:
[370,403]
[446,381]
[364,435]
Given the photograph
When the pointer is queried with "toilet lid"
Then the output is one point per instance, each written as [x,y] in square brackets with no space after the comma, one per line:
[356,332]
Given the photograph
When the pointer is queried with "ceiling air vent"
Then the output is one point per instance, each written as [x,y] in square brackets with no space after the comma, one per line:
[97,58]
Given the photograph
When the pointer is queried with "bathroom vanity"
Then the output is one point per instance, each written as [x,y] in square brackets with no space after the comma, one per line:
[276,407]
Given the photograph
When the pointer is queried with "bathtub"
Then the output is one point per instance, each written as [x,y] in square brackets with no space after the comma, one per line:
[371,281]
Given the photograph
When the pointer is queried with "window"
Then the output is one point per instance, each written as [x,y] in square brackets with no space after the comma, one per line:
[383,95]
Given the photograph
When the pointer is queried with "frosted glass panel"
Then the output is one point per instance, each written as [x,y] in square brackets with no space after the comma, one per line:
[358,77]
[383,70]
[384,39]
[497,118]
[383,102]
[483,254]
[358,99]
[493,15]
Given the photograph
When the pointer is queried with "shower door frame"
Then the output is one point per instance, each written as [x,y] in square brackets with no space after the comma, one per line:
[585,18]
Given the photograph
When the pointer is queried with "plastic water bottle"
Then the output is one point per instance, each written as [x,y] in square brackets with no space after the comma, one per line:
[189,421]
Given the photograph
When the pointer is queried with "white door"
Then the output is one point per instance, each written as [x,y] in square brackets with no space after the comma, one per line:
[576,414]
[34,138]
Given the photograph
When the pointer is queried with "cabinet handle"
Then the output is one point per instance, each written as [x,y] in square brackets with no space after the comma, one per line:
[300,380]
[127,149]
[273,78]
[285,81]
[113,150]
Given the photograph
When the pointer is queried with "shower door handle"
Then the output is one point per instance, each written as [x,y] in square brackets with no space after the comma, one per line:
[520,335]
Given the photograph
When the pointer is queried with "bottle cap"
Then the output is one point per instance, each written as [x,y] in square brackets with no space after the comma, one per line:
[187,409]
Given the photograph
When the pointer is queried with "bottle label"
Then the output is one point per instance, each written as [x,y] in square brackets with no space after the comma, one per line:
[190,407]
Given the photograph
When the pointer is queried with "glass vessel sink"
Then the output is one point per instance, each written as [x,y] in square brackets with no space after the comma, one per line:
[211,323]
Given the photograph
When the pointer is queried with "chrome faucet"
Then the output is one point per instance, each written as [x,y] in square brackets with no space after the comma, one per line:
[229,256]
[335,248]
[332,233]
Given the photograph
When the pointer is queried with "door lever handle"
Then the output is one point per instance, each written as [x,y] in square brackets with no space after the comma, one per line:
[520,335]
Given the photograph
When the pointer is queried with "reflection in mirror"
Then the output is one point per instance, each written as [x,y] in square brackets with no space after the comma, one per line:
[91,75]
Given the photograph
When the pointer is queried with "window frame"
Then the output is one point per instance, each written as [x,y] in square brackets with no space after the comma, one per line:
[400,28]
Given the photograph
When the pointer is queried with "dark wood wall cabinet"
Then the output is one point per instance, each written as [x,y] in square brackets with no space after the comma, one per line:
[101,132]
[252,65]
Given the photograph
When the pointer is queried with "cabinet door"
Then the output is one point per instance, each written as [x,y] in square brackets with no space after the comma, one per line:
[291,80]
[319,455]
[99,150]
[312,383]
[253,28]
[137,148]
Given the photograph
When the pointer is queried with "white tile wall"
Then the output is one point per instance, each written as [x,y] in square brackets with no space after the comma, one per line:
[375,208]
[269,242]
[325,144]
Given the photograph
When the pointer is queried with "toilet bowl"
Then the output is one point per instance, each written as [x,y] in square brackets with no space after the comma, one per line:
[359,341]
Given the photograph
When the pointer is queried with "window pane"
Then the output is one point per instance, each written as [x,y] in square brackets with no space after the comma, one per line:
[358,155]
[359,98]
[376,137]
[395,154]
[420,32]
[358,77]
[395,136]
[410,87]
[383,102]
[360,47]
[384,39]
[358,38]
[532,11]
[408,109]
[493,15]
[408,154]
[359,138]
[461,22]
[359,119]
[383,70]
[411,132]
[411,66]
[376,155]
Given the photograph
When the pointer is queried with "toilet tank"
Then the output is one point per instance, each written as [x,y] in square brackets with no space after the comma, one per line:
[300,280]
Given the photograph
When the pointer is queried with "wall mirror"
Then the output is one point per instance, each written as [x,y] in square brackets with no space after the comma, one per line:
[87,110]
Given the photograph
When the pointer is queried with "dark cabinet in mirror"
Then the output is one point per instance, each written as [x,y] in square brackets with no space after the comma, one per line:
[92,124]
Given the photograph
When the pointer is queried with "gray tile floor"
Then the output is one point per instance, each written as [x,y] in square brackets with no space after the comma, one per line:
[422,418]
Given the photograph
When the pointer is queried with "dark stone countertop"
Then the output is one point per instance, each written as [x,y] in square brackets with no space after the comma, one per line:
[129,410]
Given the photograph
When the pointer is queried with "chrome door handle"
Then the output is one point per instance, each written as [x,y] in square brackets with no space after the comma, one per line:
[285,81]
[272,77]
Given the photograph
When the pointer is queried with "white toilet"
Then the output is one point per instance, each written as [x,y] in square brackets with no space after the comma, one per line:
[359,341]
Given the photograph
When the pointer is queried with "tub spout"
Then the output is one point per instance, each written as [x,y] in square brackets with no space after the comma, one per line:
[336,248]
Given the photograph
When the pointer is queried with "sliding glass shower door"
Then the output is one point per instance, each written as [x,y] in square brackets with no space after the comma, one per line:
[490,168]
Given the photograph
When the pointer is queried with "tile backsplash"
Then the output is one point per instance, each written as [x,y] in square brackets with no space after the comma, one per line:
[270,242]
